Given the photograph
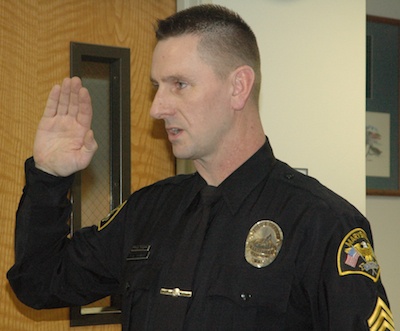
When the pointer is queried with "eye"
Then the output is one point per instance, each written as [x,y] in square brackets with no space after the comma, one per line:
[180,85]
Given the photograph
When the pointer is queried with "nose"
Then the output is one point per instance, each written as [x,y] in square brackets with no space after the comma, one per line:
[160,108]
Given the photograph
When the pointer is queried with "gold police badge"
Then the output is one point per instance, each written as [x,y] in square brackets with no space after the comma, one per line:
[263,243]
[356,256]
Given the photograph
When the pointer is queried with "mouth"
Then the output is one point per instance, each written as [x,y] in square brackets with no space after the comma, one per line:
[173,131]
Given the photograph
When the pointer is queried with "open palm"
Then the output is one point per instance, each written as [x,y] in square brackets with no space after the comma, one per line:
[64,141]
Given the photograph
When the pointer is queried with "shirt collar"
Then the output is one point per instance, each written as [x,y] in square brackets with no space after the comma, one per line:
[243,180]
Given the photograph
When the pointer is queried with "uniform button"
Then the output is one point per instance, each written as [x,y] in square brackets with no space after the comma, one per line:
[245,296]
[289,176]
[127,286]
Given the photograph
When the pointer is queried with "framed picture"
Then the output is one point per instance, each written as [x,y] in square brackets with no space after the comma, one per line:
[382,106]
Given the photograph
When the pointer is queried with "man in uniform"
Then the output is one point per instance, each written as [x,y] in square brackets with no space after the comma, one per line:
[245,243]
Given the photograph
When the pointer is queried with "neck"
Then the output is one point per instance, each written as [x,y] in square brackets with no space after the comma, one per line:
[233,154]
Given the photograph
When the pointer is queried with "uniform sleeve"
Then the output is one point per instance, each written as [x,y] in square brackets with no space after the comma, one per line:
[346,272]
[45,256]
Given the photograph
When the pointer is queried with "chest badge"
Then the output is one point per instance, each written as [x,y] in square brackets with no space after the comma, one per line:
[263,243]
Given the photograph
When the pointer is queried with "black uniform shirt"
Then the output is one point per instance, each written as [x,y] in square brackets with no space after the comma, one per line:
[282,252]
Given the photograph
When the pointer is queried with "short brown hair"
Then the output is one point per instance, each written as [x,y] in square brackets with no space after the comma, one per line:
[226,40]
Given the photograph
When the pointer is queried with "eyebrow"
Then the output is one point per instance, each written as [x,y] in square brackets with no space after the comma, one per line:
[167,79]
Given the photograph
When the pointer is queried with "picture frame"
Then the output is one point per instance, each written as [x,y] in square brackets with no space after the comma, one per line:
[382,106]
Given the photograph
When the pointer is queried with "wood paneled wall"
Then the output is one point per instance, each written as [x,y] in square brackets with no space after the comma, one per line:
[34,55]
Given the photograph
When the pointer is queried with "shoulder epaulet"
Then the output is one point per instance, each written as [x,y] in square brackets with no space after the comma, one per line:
[312,186]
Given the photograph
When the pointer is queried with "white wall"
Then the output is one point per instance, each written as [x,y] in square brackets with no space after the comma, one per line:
[384,212]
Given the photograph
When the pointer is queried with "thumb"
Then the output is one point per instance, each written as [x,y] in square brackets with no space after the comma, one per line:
[89,143]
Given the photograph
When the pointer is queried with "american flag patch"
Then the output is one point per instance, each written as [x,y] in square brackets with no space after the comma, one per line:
[352,257]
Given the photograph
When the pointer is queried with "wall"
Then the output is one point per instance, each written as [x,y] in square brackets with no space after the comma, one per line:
[384,212]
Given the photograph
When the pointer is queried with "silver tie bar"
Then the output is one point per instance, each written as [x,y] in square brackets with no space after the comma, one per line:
[176,292]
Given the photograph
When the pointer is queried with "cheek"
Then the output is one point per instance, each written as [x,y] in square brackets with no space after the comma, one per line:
[216,121]
[218,108]
[209,109]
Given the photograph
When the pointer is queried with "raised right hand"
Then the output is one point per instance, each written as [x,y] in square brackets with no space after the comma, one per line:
[64,142]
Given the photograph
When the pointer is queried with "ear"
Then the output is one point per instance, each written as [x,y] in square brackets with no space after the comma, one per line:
[242,81]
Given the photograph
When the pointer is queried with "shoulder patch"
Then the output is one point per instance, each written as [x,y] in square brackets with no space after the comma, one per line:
[110,217]
[381,318]
[356,256]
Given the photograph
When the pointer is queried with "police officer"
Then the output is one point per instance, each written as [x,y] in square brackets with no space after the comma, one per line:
[245,243]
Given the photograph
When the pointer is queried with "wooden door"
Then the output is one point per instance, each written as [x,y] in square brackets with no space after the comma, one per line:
[35,36]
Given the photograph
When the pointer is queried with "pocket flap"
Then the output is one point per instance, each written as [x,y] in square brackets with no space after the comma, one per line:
[141,275]
[248,286]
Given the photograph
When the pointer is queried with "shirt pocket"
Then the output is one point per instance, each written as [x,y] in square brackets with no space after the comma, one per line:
[140,276]
[140,279]
[249,298]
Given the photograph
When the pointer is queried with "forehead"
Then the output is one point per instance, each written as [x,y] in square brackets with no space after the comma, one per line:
[174,46]
[177,54]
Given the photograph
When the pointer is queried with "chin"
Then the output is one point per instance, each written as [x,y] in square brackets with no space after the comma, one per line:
[184,151]
[181,154]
